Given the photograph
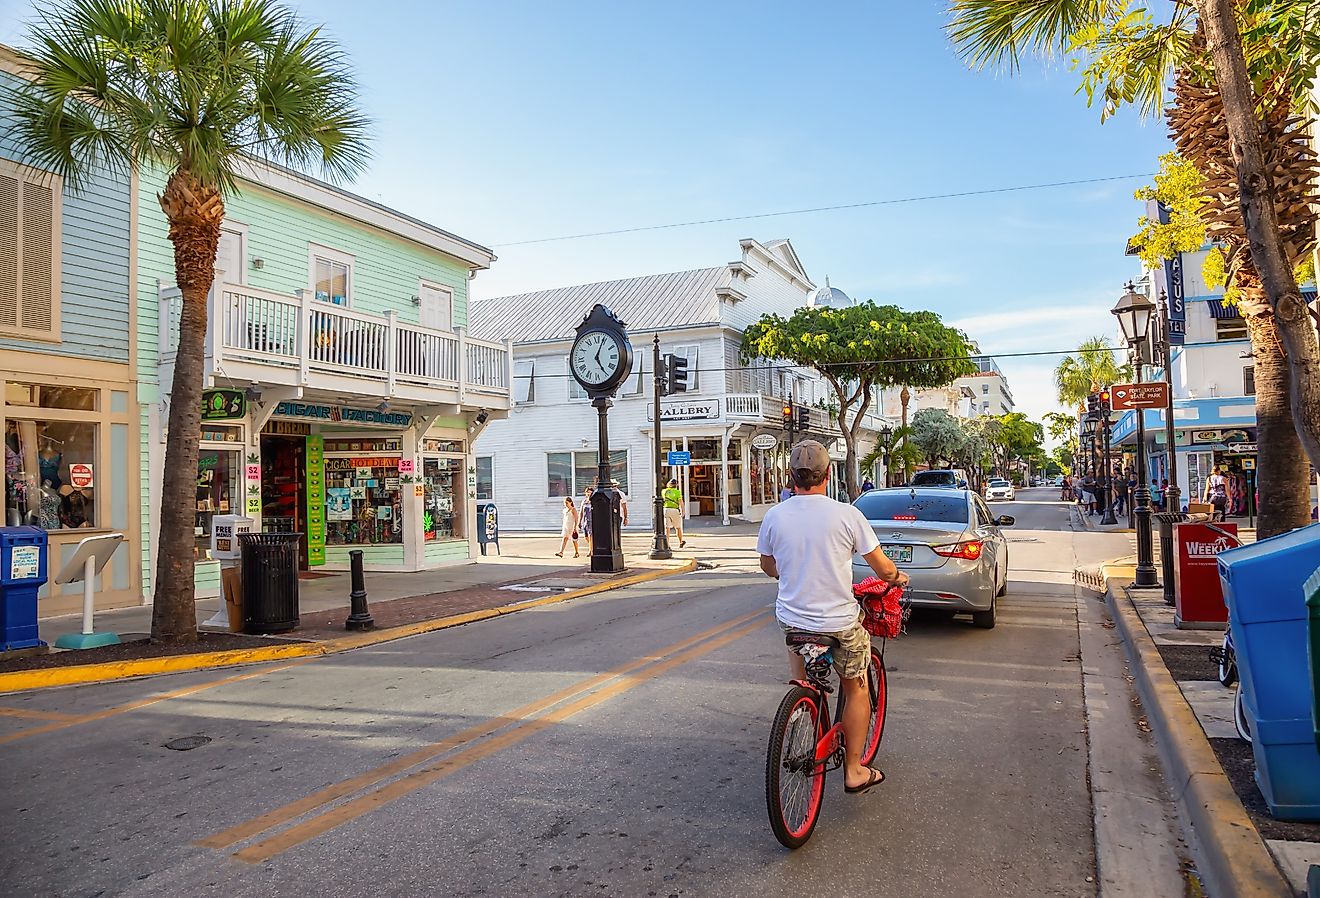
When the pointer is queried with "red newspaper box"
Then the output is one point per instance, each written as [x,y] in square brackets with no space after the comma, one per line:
[1198,597]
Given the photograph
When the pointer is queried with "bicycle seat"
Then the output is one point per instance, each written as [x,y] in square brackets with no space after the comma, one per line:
[805,637]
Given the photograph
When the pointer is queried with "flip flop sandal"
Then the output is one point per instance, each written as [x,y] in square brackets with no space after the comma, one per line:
[877,777]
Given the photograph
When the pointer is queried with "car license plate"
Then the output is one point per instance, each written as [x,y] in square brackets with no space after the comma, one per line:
[898,554]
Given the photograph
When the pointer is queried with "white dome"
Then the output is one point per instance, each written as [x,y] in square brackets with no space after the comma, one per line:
[831,297]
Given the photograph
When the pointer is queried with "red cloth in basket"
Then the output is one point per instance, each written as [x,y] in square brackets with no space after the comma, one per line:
[882,608]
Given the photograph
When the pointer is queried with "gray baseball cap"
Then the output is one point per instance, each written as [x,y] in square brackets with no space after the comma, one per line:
[810,456]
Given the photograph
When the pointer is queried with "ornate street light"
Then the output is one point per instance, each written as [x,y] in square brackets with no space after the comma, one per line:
[1134,312]
[885,433]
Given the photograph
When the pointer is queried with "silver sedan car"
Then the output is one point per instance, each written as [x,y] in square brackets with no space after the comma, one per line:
[946,541]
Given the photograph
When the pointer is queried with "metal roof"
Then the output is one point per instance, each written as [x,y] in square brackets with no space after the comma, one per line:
[651,302]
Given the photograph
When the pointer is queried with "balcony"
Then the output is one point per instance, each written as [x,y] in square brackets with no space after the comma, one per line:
[274,339]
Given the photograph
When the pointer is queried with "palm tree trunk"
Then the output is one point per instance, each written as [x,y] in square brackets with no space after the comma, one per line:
[194,212]
[1282,473]
[1256,196]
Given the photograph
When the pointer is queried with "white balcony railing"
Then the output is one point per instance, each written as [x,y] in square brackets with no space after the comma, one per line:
[757,408]
[298,339]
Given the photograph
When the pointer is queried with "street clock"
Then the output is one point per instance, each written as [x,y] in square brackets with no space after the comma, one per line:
[602,357]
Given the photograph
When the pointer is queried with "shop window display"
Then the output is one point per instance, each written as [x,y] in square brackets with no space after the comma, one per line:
[364,501]
[443,481]
[50,472]
[217,492]
[570,473]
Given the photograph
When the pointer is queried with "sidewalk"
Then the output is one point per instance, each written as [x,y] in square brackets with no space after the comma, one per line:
[1242,850]
[527,574]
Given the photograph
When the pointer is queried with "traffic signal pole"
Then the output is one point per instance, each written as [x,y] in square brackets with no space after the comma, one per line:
[660,547]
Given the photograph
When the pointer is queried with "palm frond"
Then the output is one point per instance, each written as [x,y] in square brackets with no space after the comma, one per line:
[990,33]
[204,86]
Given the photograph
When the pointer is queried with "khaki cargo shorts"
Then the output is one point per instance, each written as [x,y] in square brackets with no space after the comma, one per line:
[674,518]
[854,651]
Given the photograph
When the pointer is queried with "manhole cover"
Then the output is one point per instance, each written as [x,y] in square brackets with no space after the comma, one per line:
[187,743]
[705,566]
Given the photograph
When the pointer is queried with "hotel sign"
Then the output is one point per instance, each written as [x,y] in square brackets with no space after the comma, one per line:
[338,414]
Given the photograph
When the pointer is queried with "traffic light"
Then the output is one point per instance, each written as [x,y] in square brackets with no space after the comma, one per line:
[662,374]
[803,418]
[1093,405]
[678,373]
[788,414]
[1104,404]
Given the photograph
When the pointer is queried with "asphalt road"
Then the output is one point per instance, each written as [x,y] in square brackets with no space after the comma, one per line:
[612,746]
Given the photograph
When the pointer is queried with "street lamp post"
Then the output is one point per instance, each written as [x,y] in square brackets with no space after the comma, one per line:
[1108,470]
[1088,440]
[1134,312]
[1172,495]
[886,433]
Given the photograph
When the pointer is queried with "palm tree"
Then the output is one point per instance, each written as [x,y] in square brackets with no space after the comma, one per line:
[198,89]
[1128,57]
[1092,368]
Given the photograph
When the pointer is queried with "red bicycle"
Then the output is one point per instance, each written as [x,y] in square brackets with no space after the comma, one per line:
[804,746]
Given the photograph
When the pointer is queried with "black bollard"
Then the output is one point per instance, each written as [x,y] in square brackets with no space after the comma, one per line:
[360,618]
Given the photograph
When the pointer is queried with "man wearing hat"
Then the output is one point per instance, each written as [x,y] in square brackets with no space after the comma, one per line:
[673,497]
[808,546]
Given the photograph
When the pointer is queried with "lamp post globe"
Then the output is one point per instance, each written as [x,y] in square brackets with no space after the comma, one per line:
[1134,312]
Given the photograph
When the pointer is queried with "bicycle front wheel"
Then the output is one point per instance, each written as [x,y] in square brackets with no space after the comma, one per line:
[794,782]
[878,687]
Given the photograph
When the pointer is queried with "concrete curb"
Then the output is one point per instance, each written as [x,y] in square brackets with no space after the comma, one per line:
[1235,861]
[45,678]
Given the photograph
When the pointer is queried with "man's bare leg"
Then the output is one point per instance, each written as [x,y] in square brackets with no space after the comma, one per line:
[856,721]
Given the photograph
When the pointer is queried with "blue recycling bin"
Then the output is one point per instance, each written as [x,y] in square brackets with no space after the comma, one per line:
[1267,611]
[22,574]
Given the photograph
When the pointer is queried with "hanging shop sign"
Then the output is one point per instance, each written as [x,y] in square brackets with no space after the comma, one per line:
[315,458]
[765,441]
[336,414]
[221,405]
[689,410]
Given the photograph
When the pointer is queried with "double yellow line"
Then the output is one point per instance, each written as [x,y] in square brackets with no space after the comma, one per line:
[466,747]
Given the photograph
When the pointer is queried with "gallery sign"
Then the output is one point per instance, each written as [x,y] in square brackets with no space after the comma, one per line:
[688,410]
[337,414]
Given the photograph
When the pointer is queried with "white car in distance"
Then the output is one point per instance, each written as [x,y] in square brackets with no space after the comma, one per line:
[999,489]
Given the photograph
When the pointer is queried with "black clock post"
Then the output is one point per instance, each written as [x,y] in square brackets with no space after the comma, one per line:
[601,359]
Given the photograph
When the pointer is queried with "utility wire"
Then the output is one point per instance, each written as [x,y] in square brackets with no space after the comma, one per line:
[904,361]
[889,202]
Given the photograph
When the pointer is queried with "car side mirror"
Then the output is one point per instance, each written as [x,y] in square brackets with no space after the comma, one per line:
[1005,520]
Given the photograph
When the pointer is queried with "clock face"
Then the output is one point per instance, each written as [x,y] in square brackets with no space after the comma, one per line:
[596,358]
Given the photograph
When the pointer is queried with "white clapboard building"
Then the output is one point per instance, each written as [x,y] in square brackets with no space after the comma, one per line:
[730,420]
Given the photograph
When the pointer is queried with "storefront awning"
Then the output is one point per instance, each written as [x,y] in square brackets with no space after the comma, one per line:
[1219,309]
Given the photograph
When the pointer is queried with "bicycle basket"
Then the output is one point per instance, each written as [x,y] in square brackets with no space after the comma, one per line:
[883,610]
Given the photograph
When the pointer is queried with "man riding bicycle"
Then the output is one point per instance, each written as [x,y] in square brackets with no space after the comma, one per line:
[807,545]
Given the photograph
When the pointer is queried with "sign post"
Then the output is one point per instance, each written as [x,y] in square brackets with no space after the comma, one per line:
[89,557]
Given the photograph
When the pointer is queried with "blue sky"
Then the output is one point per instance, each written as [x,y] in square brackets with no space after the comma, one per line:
[506,121]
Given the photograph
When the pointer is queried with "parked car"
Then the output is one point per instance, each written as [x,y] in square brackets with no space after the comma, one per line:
[946,541]
[999,489]
[953,478]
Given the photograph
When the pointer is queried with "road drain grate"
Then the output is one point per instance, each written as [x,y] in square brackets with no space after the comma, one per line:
[187,743]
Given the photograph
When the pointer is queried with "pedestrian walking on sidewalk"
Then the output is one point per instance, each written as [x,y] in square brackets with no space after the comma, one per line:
[568,528]
[673,497]
[584,522]
[1216,492]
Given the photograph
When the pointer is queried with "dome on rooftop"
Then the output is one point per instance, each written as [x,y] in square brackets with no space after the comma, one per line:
[830,297]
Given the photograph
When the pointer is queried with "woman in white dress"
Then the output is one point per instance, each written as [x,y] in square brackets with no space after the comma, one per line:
[568,529]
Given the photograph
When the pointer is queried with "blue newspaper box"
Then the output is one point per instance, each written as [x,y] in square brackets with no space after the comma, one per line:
[1267,611]
[22,574]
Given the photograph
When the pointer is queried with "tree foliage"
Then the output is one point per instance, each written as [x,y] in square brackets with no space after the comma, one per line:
[939,436]
[858,349]
[1094,366]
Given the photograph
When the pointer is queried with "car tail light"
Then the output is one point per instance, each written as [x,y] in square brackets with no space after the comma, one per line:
[970,550]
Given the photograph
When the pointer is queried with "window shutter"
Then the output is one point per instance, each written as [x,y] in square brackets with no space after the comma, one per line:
[36,305]
[9,231]
[27,253]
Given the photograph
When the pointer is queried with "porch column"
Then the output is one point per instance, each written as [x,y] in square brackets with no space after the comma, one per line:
[724,475]
[413,506]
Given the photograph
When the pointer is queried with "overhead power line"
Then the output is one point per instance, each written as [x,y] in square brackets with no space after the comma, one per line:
[890,202]
[947,358]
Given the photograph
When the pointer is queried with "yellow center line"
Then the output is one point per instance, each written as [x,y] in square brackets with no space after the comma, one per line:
[35,715]
[293,810]
[366,804]
[142,703]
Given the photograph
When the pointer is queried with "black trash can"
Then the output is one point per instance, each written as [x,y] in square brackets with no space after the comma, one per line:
[270,581]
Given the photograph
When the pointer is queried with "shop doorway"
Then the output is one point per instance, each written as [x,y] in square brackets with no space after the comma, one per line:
[284,488]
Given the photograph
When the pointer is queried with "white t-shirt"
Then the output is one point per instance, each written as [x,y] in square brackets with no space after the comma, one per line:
[813,540]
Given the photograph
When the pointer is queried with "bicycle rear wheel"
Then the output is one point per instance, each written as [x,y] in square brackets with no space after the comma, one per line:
[794,782]
[878,687]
